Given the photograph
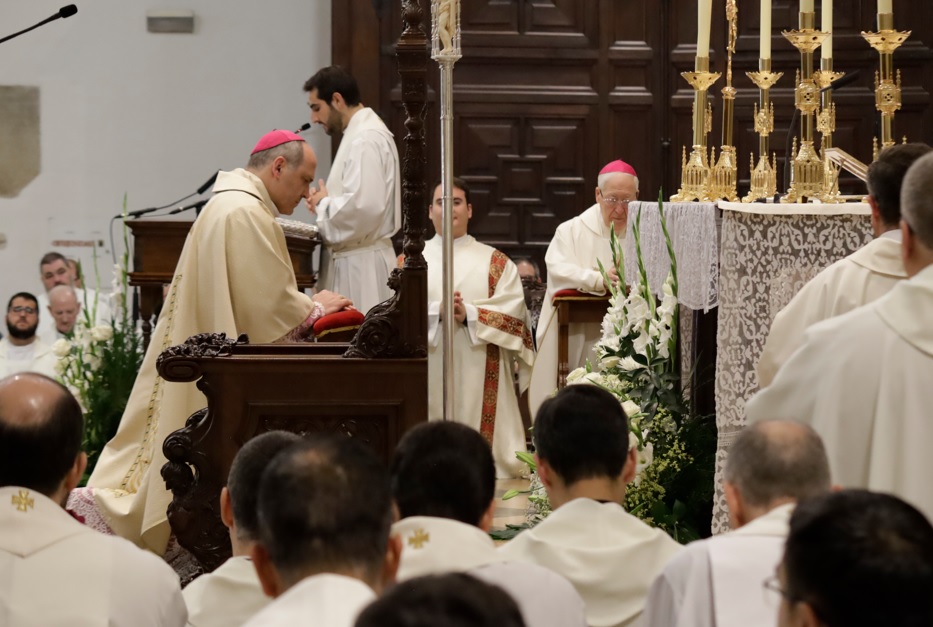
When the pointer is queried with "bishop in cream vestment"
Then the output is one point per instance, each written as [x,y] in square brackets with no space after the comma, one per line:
[234,276]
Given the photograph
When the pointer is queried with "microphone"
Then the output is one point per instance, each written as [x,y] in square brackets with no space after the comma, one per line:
[203,188]
[303,128]
[194,205]
[208,183]
[66,11]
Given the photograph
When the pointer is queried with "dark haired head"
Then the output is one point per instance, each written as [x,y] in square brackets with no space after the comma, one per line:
[886,175]
[458,183]
[334,80]
[25,296]
[452,600]
[324,506]
[245,474]
[861,559]
[582,432]
[41,428]
[52,257]
[443,469]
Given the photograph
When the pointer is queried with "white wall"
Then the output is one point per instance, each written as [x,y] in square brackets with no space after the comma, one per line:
[150,115]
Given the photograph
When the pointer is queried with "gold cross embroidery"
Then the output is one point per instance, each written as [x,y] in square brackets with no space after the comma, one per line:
[419,539]
[22,501]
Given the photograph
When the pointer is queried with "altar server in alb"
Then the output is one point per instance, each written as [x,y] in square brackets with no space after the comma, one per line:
[493,332]
[863,379]
[234,276]
[360,207]
[571,264]
[866,275]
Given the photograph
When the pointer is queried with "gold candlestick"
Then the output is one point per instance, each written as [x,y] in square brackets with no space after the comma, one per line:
[764,175]
[887,91]
[807,174]
[826,125]
[694,181]
[724,175]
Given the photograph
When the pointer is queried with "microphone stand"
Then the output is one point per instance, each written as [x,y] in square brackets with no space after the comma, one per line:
[67,11]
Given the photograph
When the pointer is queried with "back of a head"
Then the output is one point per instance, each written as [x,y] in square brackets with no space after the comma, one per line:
[245,474]
[886,175]
[861,559]
[776,460]
[334,80]
[443,469]
[917,199]
[583,433]
[324,506]
[452,600]
[41,429]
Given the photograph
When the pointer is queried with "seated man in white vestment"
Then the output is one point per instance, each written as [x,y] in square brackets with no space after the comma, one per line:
[717,582]
[324,551]
[492,332]
[571,260]
[585,462]
[234,276]
[360,208]
[443,485]
[863,379]
[451,600]
[862,277]
[22,350]
[65,309]
[54,270]
[858,559]
[232,594]
[53,569]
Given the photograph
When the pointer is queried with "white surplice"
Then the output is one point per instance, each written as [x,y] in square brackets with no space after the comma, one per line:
[609,556]
[56,571]
[717,582]
[39,358]
[571,265]
[497,334]
[234,276]
[862,381]
[432,546]
[864,276]
[361,213]
[90,300]
[226,597]
[320,600]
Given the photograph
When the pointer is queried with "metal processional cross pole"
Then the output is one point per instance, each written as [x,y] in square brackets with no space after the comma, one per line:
[445,49]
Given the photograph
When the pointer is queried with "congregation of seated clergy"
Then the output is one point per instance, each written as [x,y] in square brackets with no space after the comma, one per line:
[827,488]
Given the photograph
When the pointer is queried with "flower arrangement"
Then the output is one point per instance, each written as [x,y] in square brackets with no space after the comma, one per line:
[99,363]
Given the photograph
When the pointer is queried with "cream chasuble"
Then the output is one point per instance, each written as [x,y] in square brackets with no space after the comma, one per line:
[56,571]
[571,264]
[864,276]
[325,600]
[609,556]
[362,211]
[862,380]
[226,597]
[41,359]
[497,333]
[234,276]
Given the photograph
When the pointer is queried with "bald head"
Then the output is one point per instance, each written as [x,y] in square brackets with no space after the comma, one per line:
[64,308]
[777,460]
[40,432]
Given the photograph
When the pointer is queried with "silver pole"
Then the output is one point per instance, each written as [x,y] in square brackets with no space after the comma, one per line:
[446,51]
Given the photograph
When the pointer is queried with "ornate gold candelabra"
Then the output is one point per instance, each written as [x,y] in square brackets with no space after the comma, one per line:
[887,91]
[807,173]
[694,180]
[764,175]
[724,174]
[826,125]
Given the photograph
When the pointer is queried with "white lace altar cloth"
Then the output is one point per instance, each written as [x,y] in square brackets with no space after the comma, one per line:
[692,227]
[768,252]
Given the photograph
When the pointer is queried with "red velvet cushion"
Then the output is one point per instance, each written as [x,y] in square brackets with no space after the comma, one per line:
[340,321]
[575,295]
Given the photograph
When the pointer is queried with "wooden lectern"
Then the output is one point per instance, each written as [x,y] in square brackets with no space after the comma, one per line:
[573,306]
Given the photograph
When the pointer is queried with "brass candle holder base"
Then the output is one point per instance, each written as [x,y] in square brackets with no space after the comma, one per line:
[694,179]
[764,179]
[723,176]
[807,177]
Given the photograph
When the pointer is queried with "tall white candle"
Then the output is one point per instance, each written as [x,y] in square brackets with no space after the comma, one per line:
[704,19]
[885,6]
[806,6]
[764,37]
[827,27]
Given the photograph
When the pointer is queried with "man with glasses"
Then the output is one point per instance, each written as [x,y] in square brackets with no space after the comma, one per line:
[862,380]
[572,264]
[22,350]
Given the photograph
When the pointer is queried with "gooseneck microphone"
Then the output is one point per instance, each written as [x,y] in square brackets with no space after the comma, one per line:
[66,11]
[203,188]
[303,128]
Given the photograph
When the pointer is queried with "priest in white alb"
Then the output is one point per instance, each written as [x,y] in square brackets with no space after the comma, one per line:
[864,276]
[493,332]
[572,264]
[862,380]
[360,208]
[234,276]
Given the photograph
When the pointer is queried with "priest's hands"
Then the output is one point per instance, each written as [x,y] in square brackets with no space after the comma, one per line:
[613,277]
[317,195]
[459,309]
[332,302]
